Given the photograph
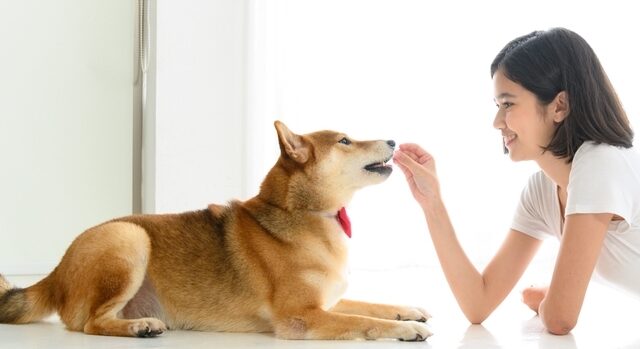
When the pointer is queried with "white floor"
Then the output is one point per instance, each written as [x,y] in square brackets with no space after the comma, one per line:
[608,320]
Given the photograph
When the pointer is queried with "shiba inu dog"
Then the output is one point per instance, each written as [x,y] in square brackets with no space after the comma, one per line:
[274,263]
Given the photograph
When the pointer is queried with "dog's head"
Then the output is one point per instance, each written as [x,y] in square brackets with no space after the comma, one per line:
[323,169]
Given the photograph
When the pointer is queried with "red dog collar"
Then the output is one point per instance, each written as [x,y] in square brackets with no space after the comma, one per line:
[344,221]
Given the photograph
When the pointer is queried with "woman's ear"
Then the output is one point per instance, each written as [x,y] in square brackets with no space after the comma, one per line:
[560,106]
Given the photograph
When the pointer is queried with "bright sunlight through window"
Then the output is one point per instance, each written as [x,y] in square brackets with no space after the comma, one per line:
[415,71]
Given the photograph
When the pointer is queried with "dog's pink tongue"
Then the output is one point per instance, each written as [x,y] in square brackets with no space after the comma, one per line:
[344,221]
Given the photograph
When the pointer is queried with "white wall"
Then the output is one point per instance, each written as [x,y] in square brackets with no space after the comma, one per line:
[66,79]
[199,99]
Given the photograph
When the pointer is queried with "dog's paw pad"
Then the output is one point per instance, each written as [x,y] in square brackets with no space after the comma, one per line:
[147,328]
[144,333]
[418,338]
[148,333]
[412,332]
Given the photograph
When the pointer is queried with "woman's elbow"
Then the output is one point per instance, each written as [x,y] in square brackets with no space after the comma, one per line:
[558,325]
[477,318]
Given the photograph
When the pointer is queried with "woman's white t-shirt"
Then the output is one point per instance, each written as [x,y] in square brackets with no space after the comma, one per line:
[603,179]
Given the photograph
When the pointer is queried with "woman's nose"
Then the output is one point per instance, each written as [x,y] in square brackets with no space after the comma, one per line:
[498,120]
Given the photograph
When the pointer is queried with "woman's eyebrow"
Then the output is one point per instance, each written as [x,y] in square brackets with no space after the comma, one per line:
[505,94]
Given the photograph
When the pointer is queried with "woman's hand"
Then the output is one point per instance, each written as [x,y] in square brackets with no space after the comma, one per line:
[419,168]
[533,296]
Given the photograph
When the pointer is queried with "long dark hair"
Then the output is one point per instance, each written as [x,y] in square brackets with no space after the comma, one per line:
[549,62]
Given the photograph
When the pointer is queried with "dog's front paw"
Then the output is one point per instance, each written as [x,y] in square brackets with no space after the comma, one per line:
[412,314]
[414,332]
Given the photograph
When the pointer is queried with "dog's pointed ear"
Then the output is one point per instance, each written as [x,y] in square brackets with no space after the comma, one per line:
[292,145]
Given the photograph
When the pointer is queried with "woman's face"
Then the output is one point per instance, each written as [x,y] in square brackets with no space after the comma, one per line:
[521,119]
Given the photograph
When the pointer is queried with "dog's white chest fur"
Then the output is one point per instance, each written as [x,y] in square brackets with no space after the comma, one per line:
[331,285]
[332,281]
[335,288]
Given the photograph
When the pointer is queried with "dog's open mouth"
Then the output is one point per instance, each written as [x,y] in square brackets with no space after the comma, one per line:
[381,167]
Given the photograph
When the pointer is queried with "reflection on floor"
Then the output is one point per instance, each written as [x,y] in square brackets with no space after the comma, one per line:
[608,320]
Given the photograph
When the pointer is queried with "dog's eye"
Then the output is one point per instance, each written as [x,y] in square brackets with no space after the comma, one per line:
[345,141]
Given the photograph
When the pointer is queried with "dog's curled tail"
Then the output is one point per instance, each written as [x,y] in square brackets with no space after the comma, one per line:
[24,305]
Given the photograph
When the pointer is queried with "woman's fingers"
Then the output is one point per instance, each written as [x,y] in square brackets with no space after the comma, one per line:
[404,169]
[419,169]
[413,148]
[408,160]
[416,152]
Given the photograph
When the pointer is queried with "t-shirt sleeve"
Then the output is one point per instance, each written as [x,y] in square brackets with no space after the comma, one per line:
[529,217]
[601,182]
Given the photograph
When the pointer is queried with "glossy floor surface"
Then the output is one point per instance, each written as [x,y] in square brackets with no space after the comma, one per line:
[608,320]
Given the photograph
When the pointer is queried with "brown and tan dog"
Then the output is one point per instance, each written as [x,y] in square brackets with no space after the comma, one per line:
[274,263]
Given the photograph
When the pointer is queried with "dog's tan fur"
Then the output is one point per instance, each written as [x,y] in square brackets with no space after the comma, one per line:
[274,263]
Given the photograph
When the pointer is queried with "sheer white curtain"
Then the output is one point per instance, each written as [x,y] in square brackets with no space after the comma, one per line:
[414,71]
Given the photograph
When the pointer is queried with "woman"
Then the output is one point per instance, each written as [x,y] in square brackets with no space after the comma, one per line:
[556,107]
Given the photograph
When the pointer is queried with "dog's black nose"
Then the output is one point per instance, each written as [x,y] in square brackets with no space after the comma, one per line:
[391,143]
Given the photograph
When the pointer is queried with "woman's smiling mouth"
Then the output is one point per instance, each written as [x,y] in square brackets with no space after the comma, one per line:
[508,139]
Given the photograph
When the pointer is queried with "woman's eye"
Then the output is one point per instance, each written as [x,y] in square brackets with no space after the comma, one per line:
[345,141]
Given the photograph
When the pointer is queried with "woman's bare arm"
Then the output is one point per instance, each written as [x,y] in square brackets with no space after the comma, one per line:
[477,293]
[582,240]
